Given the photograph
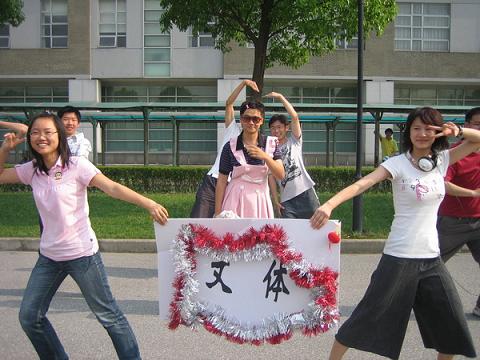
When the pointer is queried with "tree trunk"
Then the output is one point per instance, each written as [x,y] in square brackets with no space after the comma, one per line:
[259,70]
[261,45]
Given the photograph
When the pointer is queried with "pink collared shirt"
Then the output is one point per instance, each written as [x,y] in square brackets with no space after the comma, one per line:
[61,199]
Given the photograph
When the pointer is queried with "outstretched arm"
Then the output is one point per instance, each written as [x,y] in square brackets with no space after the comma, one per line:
[10,141]
[295,124]
[471,137]
[229,111]
[322,214]
[118,191]
[19,128]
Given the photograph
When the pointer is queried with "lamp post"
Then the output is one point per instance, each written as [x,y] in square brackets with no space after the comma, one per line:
[357,221]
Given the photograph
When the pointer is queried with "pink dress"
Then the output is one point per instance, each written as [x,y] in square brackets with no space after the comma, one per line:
[247,194]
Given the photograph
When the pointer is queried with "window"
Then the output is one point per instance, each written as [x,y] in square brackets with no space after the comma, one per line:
[54,24]
[26,94]
[344,44]
[422,27]
[4,36]
[433,95]
[113,23]
[156,45]
[314,94]
[200,39]
[159,93]
[194,137]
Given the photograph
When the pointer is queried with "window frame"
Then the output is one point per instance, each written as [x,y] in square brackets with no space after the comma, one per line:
[146,34]
[198,36]
[413,27]
[117,34]
[7,26]
[44,25]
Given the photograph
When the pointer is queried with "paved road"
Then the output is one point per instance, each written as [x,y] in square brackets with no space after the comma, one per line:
[134,283]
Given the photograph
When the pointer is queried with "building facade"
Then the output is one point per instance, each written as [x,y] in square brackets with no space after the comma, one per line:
[114,51]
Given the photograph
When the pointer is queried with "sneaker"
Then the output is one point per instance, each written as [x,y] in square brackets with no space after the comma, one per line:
[476,311]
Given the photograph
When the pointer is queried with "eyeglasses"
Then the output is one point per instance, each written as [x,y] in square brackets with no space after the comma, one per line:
[47,134]
[255,119]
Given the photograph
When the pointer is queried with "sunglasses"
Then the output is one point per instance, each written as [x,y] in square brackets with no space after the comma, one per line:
[254,119]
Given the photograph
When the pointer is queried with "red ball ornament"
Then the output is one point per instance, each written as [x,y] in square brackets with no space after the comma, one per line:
[333,237]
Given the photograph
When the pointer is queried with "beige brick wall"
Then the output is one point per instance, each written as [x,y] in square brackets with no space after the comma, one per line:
[380,59]
[72,61]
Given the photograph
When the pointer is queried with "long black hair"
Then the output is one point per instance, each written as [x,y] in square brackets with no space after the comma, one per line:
[63,149]
[429,116]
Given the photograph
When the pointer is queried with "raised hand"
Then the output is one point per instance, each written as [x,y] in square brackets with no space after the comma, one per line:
[11,140]
[274,95]
[252,84]
[447,129]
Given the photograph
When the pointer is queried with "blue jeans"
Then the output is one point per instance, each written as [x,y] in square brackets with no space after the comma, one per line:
[89,274]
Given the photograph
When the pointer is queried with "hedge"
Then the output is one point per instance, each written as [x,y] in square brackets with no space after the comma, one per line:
[185,179]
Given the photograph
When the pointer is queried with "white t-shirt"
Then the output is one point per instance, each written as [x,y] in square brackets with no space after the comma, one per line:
[296,180]
[233,130]
[79,145]
[416,198]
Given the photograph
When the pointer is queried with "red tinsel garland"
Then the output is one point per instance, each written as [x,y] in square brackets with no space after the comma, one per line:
[276,238]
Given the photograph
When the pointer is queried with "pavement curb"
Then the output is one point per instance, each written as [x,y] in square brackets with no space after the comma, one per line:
[349,246]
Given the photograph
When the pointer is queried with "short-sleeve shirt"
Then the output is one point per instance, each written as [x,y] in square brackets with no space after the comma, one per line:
[389,147]
[464,173]
[79,145]
[228,160]
[416,198]
[233,130]
[61,199]
[296,180]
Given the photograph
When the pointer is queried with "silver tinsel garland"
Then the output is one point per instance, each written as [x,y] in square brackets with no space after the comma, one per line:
[314,319]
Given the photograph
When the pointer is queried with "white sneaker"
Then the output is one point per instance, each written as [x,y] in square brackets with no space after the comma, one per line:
[476,311]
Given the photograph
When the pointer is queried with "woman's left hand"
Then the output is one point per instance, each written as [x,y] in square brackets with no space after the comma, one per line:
[447,129]
[158,213]
[255,152]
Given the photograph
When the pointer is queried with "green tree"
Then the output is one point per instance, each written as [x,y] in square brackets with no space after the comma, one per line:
[286,32]
[11,12]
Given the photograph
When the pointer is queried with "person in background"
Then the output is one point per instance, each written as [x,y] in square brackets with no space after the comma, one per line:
[388,143]
[458,222]
[204,206]
[77,142]
[410,274]
[248,159]
[298,199]
[68,244]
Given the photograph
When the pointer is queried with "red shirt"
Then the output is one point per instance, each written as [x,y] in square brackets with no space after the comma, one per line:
[464,173]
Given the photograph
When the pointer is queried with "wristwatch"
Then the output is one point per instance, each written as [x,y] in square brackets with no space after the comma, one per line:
[460,131]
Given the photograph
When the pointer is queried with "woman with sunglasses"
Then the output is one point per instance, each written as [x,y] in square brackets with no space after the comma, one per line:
[248,159]
[410,274]
[68,245]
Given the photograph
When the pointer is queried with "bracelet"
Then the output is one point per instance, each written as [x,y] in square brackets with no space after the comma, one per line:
[460,131]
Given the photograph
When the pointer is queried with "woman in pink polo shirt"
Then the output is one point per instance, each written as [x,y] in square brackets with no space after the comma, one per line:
[68,245]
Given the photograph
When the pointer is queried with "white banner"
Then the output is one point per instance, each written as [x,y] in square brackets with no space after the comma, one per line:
[251,280]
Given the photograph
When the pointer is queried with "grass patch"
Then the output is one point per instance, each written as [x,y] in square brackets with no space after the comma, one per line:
[114,219]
